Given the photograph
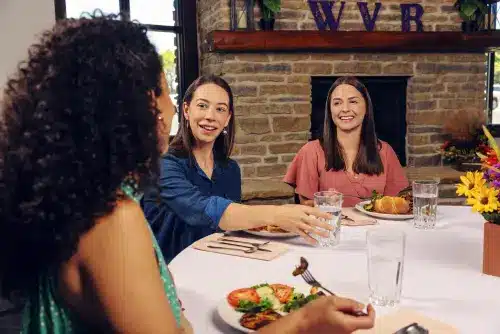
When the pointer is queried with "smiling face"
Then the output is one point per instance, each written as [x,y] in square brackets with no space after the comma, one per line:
[208,113]
[348,108]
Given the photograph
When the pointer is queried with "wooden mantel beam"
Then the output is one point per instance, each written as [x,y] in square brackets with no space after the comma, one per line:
[352,41]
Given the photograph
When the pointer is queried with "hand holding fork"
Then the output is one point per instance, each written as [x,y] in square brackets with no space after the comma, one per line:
[309,279]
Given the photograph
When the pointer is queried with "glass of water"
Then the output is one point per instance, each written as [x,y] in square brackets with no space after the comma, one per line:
[386,250]
[331,202]
[425,198]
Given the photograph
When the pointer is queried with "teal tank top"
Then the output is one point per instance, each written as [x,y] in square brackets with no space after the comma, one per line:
[43,314]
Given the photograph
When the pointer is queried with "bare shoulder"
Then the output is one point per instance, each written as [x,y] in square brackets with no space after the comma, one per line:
[124,226]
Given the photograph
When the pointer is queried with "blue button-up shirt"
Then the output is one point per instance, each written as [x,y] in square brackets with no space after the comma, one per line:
[188,205]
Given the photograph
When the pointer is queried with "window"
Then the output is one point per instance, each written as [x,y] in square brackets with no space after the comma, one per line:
[493,85]
[172,29]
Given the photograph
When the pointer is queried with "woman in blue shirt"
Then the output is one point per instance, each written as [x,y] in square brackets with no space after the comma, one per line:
[200,186]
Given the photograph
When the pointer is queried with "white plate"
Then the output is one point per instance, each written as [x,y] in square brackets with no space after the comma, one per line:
[388,216]
[232,317]
[272,234]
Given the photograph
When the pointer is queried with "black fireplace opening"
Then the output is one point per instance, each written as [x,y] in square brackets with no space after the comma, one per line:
[388,95]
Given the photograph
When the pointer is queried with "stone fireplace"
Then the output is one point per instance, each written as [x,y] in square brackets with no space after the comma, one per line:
[277,109]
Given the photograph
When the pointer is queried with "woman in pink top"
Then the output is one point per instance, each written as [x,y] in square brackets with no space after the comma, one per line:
[350,158]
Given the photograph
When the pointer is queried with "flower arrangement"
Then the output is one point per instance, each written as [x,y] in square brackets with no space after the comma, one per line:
[482,188]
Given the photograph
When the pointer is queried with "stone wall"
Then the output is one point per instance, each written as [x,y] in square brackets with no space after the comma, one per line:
[272,91]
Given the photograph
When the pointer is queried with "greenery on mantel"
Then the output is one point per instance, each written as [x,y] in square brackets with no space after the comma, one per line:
[270,8]
[473,13]
[472,10]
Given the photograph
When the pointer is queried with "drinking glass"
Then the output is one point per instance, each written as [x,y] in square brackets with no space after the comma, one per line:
[331,202]
[425,198]
[386,250]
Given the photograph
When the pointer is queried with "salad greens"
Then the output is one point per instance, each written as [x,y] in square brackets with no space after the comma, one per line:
[259,286]
[298,300]
[247,306]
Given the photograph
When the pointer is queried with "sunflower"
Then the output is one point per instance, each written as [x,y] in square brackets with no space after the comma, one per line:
[485,199]
[471,182]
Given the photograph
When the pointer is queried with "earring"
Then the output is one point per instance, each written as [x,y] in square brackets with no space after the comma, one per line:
[224,132]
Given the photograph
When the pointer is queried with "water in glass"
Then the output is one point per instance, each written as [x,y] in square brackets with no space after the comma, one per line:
[331,202]
[385,266]
[425,199]
[333,238]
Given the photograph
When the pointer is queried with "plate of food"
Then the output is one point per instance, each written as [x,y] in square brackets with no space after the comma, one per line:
[271,231]
[398,207]
[250,308]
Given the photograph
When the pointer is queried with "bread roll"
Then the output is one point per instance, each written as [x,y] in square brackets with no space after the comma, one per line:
[392,205]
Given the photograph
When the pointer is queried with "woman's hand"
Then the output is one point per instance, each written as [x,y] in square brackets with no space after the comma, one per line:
[331,315]
[301,219]
[323,315]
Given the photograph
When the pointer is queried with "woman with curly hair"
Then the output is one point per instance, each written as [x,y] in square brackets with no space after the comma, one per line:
[83,118]
[83,123]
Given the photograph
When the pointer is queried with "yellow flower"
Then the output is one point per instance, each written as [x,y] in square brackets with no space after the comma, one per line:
[471,182]
[485,199]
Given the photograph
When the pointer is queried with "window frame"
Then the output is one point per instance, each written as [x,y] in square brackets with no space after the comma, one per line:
[490,76]
[186,30]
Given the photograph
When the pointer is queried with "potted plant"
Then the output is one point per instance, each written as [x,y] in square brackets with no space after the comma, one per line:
[269,9]
[482,190]
[473,13]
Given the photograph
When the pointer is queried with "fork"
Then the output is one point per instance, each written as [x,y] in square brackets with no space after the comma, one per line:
[248,251]
[242,246]
[309,278]
[256,244]
[346,218]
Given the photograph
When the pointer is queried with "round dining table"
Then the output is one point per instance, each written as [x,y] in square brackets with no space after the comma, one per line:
[442,273]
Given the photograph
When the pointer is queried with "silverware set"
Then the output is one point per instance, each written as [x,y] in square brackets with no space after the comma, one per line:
[239,245]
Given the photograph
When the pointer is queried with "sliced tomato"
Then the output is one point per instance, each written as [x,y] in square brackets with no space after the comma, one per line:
[282,292]
[248,294]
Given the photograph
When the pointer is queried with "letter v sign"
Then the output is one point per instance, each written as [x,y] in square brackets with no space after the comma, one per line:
[329,20]
[367,20]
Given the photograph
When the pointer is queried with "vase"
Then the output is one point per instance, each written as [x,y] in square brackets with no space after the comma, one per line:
[267,24]
[491,249]
[470,26]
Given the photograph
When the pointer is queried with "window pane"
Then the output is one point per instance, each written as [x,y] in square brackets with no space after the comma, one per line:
[166,44]
[495,111]
[75,8]
[160,12]
[495,114]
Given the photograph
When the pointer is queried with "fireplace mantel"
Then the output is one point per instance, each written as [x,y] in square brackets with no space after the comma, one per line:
[352,41]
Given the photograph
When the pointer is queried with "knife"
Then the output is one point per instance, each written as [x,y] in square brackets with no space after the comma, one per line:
[236,243]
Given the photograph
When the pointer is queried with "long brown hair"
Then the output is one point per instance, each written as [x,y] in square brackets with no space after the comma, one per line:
[183,143]
[368,159]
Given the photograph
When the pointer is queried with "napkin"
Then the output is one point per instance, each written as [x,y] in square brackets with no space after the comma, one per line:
[391,323]
[356,218]
[276,248]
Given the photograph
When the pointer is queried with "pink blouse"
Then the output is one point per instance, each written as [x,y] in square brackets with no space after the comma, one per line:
[308,175]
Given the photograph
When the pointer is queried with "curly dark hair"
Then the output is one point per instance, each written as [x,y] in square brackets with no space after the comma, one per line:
[79,119]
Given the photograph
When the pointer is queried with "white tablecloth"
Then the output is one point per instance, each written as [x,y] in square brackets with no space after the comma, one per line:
[442,274]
